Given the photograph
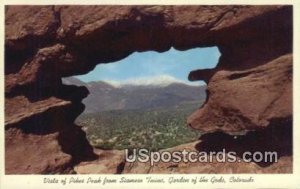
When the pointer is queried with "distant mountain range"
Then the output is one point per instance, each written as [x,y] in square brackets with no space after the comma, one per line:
[104,96]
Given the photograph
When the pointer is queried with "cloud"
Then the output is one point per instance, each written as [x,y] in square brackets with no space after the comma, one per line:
[160,80]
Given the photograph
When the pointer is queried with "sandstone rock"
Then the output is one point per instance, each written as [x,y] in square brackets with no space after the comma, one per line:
[21,108]
[248,99]
[108,162]
[249,89]
[284,165]
[40,136]
[30,26]
[32,153]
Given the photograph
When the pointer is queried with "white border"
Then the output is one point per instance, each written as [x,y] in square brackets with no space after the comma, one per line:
[261,180]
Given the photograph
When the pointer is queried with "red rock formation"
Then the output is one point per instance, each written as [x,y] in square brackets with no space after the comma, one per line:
[108,162]
[250,88]
[248,99]
[284,165]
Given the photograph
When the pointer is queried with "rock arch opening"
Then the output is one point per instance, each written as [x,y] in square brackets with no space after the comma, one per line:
[250,89]
[143,100]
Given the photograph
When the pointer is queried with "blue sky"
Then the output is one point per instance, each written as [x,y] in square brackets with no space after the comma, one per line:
[149,65]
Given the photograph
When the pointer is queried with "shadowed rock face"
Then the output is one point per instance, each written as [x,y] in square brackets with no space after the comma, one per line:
[275,138]
[248,99]
[250,89]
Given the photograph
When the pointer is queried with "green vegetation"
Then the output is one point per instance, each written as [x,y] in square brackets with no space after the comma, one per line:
[152,129]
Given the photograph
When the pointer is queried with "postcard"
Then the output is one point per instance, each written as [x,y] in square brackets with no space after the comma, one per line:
[150,94]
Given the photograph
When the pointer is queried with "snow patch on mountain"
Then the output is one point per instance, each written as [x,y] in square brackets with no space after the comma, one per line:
[158,81]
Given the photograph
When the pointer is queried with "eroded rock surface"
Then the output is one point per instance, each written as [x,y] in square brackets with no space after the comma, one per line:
[107,162]
[249,89]
[248,99]
[284,165]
